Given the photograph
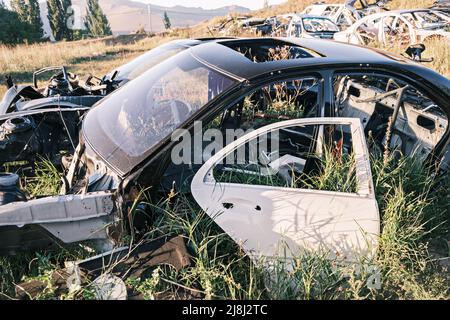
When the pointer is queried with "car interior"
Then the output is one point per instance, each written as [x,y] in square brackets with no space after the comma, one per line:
[416,124]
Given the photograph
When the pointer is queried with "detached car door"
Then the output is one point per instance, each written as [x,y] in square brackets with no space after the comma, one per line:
[294,185]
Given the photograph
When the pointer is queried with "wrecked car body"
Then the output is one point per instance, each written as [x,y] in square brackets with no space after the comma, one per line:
[305,26]
[368,8]
[147,135]
[400,26]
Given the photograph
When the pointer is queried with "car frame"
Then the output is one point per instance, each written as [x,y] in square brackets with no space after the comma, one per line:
[371,31]
[342,14]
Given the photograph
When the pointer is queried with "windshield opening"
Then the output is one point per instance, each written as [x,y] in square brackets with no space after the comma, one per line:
[126,125]
[138,66]
[319,25]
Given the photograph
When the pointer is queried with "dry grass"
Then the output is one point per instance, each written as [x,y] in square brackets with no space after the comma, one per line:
[410,4]
[81,57]
[436,48]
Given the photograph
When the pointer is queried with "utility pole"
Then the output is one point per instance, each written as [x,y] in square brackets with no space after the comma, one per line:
[149,10]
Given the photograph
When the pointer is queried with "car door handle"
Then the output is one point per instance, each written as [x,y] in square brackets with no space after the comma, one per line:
[227,205]
[230,205]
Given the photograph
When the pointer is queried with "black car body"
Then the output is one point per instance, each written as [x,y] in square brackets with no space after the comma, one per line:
[246,68]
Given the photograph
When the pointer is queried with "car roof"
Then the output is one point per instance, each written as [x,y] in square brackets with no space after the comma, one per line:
[221,56]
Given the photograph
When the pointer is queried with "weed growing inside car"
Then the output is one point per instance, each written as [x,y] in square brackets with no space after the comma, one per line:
[47,179]
[336,172]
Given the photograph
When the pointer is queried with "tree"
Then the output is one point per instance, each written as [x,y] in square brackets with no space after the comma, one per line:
[96,21]
[59,15]
[30,13]
[12,29]
[166,21]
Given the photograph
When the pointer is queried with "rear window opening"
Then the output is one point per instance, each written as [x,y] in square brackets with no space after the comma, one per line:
[267,50]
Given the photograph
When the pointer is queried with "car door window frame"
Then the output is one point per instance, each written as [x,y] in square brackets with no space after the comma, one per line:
[363,170]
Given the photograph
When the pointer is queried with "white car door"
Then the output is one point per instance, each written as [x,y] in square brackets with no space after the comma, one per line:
[271,219]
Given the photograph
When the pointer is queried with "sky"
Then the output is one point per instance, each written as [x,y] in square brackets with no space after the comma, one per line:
[207,4]
[212,4]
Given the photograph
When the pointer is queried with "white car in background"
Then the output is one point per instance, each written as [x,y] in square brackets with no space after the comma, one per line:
[400,26]
[306,26]
[343,15]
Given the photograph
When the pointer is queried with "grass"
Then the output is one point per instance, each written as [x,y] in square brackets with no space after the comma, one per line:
[45,181]
[411,215]
[438,49]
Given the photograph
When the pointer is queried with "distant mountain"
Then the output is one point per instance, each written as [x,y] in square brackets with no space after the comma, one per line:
[127,16]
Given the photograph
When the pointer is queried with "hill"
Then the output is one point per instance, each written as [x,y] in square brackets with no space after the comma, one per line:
[126,16]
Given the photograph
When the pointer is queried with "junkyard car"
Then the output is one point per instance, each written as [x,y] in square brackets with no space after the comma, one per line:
[305,26]
[400,26]
[311,95]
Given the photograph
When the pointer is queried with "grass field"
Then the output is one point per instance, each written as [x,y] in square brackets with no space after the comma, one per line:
[413,255]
